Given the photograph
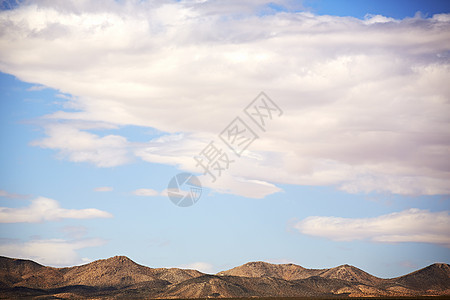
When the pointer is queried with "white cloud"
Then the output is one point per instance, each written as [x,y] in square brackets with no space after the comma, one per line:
[81,146]
[412,225]
[103,189]
[146,192]
[36,88]
[372,19]
[51,252]
[203,267]
[44,209]
[229,184]
[365,101]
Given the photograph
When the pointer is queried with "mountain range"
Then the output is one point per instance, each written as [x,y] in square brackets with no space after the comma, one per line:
[120,277]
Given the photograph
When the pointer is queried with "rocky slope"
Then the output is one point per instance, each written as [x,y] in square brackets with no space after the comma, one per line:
[120,277]
[263,269]
[294,272]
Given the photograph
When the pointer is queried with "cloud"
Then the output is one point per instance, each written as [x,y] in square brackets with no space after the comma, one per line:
[228,184]
[146,192]
[6,194]
[36,88]
[232,7]
[44,209]
[412,225]
[80,146]
[51,252]
[158,242]
[203,267]
[365,101]
[103,189]
[74,232]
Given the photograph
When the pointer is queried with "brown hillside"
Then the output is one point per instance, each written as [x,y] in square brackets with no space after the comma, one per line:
[120,277]
[263,269]
[435,277]
[294,272]
[350,273]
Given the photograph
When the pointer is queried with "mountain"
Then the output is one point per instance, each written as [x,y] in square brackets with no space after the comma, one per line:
[117,271]
[434,279]
[294,272]
[236,287]
[263,269]
[175,275]
[350,273]
[19,272]
[120,277]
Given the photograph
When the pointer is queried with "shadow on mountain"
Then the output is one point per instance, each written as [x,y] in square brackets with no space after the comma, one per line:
[119,277]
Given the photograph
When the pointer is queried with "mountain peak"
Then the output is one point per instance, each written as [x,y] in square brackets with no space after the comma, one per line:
[265,269]
[256,264]
[440,265]
[350,273]
[112,262]
[433,277]
[119,259]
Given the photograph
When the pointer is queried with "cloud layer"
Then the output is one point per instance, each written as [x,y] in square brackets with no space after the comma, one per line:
[44,209]
[412,225]
[51,252]
[365,101]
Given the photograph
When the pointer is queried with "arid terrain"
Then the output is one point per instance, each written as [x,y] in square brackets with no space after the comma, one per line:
[120,277]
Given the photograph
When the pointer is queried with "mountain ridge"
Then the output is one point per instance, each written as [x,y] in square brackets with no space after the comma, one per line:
[119,277]
[292,272]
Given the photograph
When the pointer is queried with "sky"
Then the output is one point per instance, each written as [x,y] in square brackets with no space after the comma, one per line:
[342,160]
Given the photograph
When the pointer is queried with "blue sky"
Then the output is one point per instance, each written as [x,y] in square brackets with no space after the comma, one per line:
[397,9]
[102,105]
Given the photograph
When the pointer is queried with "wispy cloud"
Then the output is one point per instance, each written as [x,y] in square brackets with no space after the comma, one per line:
[364,100]
[412,225]
[36,88]
[74,232]
[103,189]
[159,242]
[44,209]
[50,252]
[6,194]
[146,192]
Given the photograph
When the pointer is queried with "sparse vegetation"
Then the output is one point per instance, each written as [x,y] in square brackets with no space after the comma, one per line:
[121,278]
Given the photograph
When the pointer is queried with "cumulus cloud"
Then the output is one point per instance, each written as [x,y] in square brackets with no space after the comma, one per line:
[412,225]
[51,252]
[146,192]
[365,101]
[103,189]
[44,209]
